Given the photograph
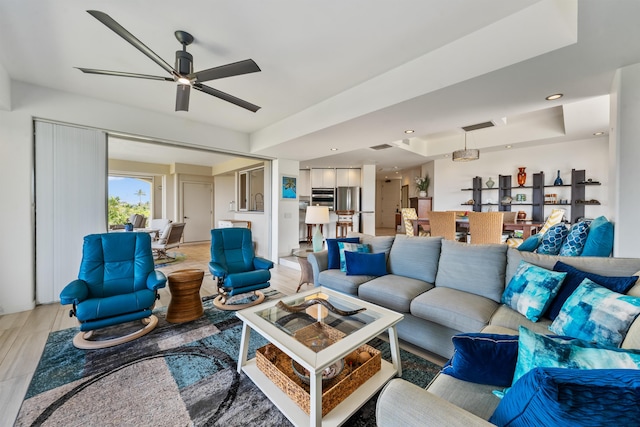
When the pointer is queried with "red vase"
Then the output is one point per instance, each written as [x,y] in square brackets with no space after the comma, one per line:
[522,177]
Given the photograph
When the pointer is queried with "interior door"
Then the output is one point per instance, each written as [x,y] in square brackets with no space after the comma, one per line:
[389,203]
[197,211]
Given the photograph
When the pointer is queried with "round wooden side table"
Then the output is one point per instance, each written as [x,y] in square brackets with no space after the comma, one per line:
[185,304]
[306,272]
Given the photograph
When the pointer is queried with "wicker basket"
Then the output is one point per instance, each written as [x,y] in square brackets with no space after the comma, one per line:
[277,367]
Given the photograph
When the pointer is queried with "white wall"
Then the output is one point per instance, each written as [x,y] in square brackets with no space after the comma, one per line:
[286,213]
[590,155]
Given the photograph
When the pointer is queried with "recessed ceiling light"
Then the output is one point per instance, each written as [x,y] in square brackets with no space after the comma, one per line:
[333,149]
[409,131]
[554,96]
[446,155]
[507,146]
[598,134]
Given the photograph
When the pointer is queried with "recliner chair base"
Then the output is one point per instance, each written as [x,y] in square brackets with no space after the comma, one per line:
[221,302]
[81,340]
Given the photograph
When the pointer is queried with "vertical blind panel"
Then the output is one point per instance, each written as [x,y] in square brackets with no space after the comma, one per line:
[71,202]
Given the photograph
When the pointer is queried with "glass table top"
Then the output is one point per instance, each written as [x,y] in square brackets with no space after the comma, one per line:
[318,319]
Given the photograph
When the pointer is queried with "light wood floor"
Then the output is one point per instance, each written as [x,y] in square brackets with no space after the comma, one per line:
[23,335]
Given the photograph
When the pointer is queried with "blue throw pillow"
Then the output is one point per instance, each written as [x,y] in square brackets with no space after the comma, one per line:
[552,240]
[351,247]
[483,358]
[536,350]
[575,277]
[333,252]
[531,290]
[576,239]
[596,314]
[531,243]
[568,397]
[600,239]
[365,264]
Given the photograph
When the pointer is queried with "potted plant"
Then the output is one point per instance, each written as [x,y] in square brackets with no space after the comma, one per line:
[422,184]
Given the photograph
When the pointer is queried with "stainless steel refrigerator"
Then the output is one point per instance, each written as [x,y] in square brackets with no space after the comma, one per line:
[348,199]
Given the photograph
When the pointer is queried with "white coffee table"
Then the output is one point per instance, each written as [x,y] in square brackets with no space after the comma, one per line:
[360,328]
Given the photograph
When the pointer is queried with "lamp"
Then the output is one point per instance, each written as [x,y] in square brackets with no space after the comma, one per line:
[465,155]
[317,215]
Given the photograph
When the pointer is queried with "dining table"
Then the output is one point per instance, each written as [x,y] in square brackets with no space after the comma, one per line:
[528,227]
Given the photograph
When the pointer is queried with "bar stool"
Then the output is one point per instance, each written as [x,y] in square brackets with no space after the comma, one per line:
[310,232]
[344,222]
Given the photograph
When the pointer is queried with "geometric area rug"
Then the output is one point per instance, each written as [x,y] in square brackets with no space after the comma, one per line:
[178,375]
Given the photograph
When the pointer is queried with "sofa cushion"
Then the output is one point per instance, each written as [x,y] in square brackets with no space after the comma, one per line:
[392,291]
[351,247]
[333,252]
[531,290]
[339,281]
[474,398]
[459,310]
[600,239]
[483,273]
[507,321]
[594,313]
[377,243]
[359,264]
[536,350]
[553,239]
[415,257]
[567,397]
[575,277]
[483,358]
[577,237]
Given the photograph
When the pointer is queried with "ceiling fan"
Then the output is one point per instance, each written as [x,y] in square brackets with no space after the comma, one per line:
[183,73]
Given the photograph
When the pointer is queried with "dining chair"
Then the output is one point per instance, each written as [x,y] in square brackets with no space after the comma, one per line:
[485,227]
[409,214]
[443,224]
[509,217]
[344,222]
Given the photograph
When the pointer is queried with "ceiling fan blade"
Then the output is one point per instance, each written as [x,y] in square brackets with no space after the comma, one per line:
[235,69]
[226,97]
[123,74]
[182,97]
[122,32]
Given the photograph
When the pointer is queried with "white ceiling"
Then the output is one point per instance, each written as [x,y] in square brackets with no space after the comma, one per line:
[348,75]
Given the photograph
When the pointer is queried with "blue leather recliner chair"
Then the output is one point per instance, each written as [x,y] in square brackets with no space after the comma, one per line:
[117,283]
[236,268]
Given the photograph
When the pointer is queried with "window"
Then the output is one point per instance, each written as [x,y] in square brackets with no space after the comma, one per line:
[128,195]
[251,190]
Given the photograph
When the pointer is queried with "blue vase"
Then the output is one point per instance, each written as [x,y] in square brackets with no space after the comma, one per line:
[558,180]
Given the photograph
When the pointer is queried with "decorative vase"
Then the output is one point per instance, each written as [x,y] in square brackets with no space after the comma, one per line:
[490,183]
[522,177]
[522,215]
[128,227]
[558,180]
[422,194]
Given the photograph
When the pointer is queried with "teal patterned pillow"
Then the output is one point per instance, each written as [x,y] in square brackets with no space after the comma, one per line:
[531,290]
[351,247]
[574,243]
[552,240]
[535,351]
[594,313]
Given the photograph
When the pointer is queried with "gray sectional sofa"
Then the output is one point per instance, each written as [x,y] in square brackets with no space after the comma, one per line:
[446,288]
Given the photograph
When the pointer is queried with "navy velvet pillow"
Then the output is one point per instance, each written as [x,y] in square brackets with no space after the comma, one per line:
[575,277]
[483,358]
[571,397]
[365,264]
[333,252]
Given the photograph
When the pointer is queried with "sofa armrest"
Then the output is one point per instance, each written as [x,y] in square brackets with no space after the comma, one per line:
[156,280]
[404,404]
[75,292]
[319,262]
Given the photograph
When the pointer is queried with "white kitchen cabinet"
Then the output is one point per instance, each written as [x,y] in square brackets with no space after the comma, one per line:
[323,178]
[304,183]
[347,177]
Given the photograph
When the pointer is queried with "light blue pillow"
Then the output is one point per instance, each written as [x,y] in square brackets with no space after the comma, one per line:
[600,238]
[553,239]
[597,314]
[577,237]
[351,247]
[536,350]
[531,290]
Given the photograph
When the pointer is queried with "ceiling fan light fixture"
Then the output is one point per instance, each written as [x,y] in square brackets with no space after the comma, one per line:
[184,81]
[466,155]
